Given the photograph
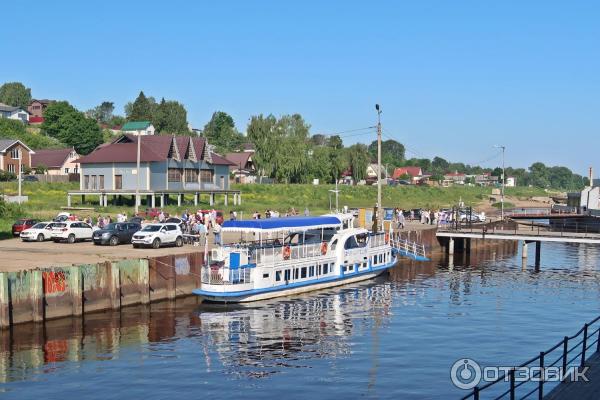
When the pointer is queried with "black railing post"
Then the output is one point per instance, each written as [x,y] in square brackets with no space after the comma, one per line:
[476,393]
[541,382]
[511,375]
[585,331]
[564,361]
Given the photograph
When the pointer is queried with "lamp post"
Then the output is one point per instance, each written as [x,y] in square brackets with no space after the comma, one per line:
[137,186]
[20,171]
[502,178]
[379,205]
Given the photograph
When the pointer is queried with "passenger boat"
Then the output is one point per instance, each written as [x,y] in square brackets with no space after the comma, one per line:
[285,256]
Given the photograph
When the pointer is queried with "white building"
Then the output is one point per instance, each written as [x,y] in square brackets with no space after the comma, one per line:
[11,112]
[138,128]
[510,181]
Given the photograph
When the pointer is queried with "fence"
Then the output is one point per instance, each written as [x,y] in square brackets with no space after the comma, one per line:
[585,339]
[554,229]
[46,178]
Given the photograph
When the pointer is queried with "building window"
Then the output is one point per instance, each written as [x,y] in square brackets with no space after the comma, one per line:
[14,153]
[86,181]
[66,170]
[94,182]
[206,175]
[12,168]
[118,182]
[174,175]
[101,182]
[191,175]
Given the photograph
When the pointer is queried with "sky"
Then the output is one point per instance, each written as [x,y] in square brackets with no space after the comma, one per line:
[454,78]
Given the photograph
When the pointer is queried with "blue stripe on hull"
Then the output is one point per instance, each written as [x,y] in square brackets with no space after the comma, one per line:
[241,295]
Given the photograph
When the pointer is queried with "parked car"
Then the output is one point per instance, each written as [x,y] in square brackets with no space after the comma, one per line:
[38,232]
[62,216]
[71,231]
[116,233]
[21,224]
[30,178]
[157,235]
[136,220]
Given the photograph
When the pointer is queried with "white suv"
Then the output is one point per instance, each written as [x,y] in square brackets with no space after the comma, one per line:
[71,231]
[156,235]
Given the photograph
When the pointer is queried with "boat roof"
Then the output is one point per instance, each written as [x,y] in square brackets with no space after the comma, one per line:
[283,224]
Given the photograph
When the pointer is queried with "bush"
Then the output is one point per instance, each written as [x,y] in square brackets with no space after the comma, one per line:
[6,176]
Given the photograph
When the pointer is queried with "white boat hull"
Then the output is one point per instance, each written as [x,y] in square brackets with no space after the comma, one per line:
[249,297]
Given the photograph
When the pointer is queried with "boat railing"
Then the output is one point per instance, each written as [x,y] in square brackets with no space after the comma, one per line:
[221,275]
[275,254]
[409,248]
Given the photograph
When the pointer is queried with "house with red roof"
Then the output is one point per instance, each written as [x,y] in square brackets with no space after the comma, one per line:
[454,178]
[243,168]
[168,165]
[415,173]
[56,161]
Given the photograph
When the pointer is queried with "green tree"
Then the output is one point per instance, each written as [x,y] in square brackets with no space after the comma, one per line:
[142,109]
[538,175]
[261,132]
[221,132]
[171,117]
[358,159]
[63,122]
[15,94]
[392,152]
[102,113]
[12,129]
[40,169]
[292,136]
[439,164]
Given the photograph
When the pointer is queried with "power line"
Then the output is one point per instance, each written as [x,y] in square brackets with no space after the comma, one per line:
[341,133]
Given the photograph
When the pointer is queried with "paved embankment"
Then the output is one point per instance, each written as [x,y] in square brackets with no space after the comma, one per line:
[580,390]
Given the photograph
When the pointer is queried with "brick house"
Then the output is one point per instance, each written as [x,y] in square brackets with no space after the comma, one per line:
[36,108]
[10,152]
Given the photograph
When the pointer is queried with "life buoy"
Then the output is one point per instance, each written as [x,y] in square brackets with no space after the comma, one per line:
[287,252]
[387,238]
[323,248]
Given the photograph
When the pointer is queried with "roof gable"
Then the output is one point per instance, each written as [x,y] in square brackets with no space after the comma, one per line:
[51,158]
[6,143]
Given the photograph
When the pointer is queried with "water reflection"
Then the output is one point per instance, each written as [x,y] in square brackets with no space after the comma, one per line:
[392,337]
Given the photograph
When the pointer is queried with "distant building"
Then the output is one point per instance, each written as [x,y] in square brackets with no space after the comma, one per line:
[10,152]
[454,178]
[138,128]
[11,112]
[57,161]
[36,108]
[373,172]
[511,181]
[242,168]
[590,198]
[486,179]
[415,173]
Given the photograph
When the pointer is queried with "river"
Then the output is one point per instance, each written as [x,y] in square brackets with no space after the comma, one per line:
[394,337]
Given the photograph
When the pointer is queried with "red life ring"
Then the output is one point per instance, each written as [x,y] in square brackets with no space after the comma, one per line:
[387,238]
[323,248]
[287,252]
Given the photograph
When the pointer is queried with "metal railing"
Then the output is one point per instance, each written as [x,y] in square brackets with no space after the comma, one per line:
[408,247]
[587,338]
[556,229]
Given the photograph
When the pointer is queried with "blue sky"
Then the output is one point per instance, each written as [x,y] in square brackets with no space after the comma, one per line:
[453,77]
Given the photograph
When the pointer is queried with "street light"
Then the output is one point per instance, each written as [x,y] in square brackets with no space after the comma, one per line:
[498,146]
[379,205]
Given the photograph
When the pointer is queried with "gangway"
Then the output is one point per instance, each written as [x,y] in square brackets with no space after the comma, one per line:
[406,248]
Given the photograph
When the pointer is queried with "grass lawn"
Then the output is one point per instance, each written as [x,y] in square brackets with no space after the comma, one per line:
[45,199]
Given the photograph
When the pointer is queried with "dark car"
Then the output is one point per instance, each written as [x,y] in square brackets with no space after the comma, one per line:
[22,224]
[116,233]
[136,220]
[30,178]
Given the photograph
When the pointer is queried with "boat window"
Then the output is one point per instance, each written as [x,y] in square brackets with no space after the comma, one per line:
[324,269]
[277,276]
[287,274]
[357,241]
[311,271]
[303,272]
[380,259]
[295,273]
[265,276]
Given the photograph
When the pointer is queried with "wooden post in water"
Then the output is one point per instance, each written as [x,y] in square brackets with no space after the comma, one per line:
[76,290]
[114,282]
[538,253]
[451,246]
[4,301]
[36,294]
[144,281]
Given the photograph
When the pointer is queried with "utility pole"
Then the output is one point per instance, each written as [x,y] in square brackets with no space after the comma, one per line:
[379,205]
[502,178]
[20,171]
[137,186]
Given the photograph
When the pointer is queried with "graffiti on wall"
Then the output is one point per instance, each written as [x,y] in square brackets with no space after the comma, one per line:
[54,282]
